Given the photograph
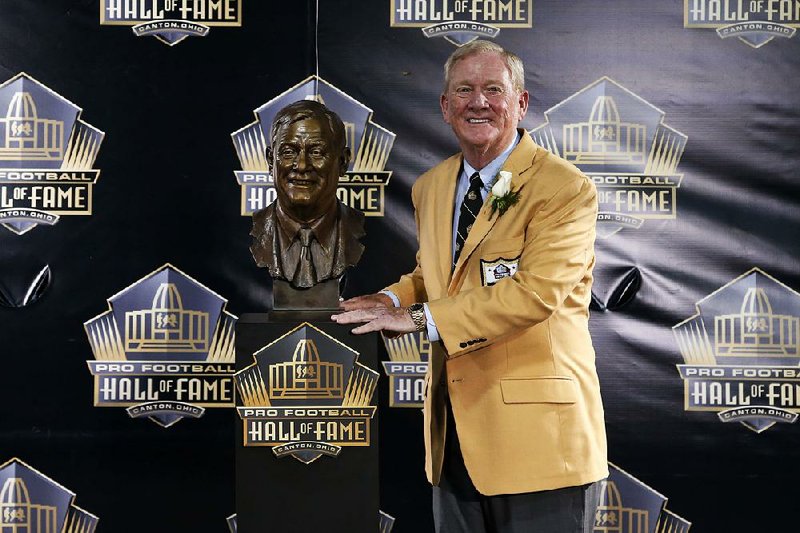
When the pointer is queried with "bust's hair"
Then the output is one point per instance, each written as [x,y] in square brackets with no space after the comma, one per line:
[514,64]
[306,109]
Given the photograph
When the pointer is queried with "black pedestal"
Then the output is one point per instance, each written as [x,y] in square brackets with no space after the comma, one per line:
[331,494]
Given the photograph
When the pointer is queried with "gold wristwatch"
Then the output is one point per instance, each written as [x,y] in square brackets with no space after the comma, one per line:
[417,314]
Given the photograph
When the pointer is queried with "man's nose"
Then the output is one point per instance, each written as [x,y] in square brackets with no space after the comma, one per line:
[301,162]
[477,99]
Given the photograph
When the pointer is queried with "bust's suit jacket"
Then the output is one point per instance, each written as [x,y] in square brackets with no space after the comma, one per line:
[515,357]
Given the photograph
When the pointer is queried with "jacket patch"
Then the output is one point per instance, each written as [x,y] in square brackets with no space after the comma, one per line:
[494,271]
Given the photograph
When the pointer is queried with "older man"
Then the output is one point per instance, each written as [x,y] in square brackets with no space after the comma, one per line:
[514,431]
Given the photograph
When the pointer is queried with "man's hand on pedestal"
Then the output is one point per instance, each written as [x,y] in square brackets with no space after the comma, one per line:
[391,320]
[368,301]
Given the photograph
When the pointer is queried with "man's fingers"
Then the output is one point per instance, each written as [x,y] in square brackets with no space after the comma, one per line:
[358,315]
[368,301]
[356,303]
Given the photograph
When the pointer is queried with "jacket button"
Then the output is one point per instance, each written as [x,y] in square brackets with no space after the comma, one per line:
[463,345]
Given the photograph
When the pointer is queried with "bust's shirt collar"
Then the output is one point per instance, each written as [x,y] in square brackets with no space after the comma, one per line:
[322,228]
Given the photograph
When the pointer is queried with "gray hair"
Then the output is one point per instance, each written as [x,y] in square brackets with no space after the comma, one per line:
[514,64]
[306,109]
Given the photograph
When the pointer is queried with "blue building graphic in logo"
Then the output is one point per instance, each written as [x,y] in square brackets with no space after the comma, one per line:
[164,350]
[742,352]
[629,506]
[306,395]
[46,156]
[30,502]
[620,141]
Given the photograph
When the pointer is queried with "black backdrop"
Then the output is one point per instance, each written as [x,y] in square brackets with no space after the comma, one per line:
[167,194]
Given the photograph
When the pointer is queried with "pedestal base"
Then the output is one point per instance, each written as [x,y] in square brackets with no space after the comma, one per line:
[332,494]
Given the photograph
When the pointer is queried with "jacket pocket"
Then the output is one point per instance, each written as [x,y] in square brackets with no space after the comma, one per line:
[544,389]
[496,247]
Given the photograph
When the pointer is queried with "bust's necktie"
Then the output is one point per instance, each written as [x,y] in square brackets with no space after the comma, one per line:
[470,206]
[305,276]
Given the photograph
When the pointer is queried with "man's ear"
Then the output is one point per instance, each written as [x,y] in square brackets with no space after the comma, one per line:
[344,161]
[443,105]
[269,158]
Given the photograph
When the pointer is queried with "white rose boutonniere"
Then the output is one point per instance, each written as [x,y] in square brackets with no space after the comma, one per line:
[502,196]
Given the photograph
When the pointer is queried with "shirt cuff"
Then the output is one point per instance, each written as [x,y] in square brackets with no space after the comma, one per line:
[431,330]
[393,296]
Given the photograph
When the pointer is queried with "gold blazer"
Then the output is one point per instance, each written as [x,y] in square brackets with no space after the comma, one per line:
[515,354]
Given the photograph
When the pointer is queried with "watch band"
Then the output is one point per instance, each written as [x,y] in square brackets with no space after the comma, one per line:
[417,314]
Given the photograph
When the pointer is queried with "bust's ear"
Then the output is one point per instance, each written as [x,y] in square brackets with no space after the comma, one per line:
[269,158]
[345,161]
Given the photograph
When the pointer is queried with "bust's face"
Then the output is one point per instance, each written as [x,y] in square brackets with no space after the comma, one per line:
[306,166]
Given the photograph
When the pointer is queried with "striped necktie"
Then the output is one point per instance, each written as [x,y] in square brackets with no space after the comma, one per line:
[470,206]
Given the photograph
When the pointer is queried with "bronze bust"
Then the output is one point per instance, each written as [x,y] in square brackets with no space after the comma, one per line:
[307,237]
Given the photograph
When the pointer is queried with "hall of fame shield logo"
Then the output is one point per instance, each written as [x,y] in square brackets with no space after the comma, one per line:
[46,156]
[629,506]
[306,395]
[742,352]
[171,21]
[361,188]
[164,350]
[461,21]
[621,143]
[407,366]
[31,502]
[754,22]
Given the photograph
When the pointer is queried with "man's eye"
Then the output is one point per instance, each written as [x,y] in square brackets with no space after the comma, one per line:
[494,90]
[463,91]
[287,152]
[317,152]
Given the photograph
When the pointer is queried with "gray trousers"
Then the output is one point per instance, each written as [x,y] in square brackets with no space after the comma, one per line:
[459,508]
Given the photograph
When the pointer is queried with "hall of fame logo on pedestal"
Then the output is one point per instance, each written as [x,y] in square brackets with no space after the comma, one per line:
[306,395]
[621,143]
[46,156]
[164,350]
[461,21]
[408,363]
[742,352]
[171,21]
[754,22]
[31,502]
[629,506]
[362,187]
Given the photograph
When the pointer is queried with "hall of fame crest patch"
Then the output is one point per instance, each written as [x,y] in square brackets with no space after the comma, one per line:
[46,156]
[306,395]
[629,506]
[361,188]
[31,502]
[621,143]
[494,271]
[754,22]
[164,350]
[407,366]
[742,352]
[461,21]
[171,21]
